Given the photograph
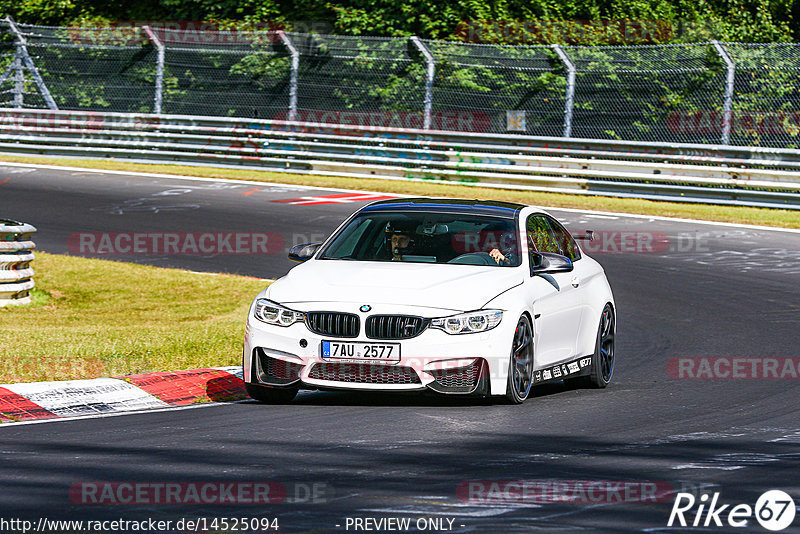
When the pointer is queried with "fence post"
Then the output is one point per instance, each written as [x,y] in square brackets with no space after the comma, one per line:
[430,73]
[24,60]
[19,80]
[159,96]
[569,97]
[292,75]
[727,108]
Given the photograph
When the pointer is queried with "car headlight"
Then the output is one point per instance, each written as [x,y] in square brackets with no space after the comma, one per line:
[272,313]
[467,323]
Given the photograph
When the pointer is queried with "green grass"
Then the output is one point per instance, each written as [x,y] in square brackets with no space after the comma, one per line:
[757,216]
[92,318]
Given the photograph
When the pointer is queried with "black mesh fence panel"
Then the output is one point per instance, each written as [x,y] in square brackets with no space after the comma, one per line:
[658,93]
[231,74]
[360,80]
[504,89]
[766,96]
[645,93]
[97,69]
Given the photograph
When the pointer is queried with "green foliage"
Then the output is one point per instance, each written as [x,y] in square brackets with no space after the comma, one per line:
[573,21]
[637,92]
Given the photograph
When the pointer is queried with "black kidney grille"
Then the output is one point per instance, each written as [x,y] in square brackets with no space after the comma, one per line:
[333,324]
[395,326]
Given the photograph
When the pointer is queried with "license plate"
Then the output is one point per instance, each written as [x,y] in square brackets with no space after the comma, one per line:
[364,352]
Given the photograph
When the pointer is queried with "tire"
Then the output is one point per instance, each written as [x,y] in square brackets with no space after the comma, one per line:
[603,357]
[520,365]
[271,395]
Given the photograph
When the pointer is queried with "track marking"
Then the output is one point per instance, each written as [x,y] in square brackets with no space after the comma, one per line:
[14,407]
[338,198]
[86,397]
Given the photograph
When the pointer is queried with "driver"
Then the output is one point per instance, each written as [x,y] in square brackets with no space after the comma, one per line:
[399,240]
[499,257]
[505,241]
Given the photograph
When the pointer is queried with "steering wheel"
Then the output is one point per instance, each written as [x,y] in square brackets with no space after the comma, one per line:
[474,258]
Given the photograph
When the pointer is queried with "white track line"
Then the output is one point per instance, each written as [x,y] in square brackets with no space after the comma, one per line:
[311,187]
[679,219]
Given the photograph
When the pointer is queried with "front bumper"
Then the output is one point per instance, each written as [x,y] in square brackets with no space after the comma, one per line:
[451,364]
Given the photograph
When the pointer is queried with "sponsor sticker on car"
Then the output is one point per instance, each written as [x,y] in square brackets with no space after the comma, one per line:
[562,370]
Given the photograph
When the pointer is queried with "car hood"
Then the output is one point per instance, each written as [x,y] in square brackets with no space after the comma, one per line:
[451,287]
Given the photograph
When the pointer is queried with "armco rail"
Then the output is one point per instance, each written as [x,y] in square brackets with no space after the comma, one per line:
[749,176]
[16,274]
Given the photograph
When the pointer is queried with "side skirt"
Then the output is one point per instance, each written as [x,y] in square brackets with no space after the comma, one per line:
[573,369]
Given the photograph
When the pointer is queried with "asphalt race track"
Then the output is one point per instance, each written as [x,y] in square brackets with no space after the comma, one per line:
[703,291]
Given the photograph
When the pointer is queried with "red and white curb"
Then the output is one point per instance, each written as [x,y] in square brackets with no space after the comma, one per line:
[72,398]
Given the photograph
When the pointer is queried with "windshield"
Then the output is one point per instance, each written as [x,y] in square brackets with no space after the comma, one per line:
[424,237]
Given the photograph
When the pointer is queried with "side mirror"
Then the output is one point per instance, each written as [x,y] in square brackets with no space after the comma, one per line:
[549,263]
[303,251]
[588,236]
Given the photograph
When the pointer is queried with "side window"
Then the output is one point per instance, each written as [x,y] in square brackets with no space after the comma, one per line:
[540,235]
[565,241]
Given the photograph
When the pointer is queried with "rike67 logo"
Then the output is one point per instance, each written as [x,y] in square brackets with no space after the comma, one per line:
[774,510]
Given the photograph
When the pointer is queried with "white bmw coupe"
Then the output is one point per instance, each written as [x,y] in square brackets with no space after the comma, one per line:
[460,297]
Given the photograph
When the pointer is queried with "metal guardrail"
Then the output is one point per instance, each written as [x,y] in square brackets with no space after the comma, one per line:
[16,255]
[748,176]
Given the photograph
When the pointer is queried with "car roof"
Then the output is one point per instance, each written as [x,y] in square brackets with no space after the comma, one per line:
[453,205]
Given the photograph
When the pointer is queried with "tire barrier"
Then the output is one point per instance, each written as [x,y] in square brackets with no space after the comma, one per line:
[16,255]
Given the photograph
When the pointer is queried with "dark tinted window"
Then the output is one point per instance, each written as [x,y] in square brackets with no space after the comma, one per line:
[565,241]
[540,235]
[545,234]
[427,237]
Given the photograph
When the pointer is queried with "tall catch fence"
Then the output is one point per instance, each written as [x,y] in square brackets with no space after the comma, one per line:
[710,93]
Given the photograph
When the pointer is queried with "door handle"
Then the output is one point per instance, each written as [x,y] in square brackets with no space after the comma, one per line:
[576,281]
